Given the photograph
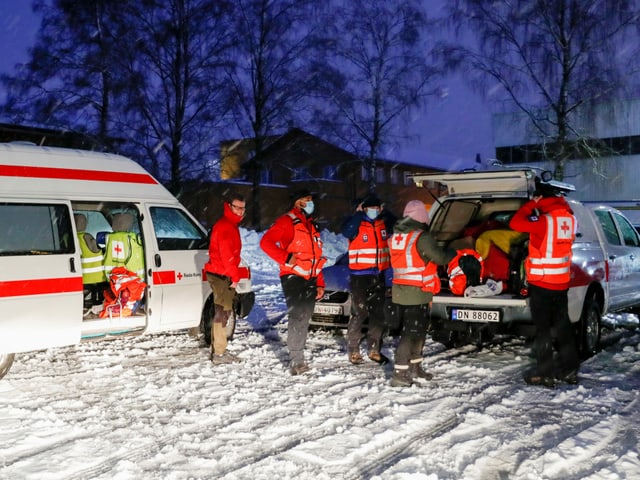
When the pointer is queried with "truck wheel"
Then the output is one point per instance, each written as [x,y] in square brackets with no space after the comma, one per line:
[589,338]
[6,360]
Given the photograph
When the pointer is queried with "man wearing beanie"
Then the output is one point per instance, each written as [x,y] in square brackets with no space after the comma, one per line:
[414,256]
[294,243]
[369,262]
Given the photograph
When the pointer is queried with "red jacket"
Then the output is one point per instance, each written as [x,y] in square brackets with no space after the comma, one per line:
[302,239]
[225,246]
[549,247]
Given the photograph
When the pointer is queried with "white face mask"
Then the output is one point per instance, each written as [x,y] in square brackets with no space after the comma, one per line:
[372,213]
[308,208]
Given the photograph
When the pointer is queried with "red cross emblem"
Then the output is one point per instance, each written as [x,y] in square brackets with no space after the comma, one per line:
[179,276]
[398,238]
[565,227]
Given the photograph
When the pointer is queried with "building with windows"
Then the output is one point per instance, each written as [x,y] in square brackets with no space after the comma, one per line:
[297,159]
[609,131]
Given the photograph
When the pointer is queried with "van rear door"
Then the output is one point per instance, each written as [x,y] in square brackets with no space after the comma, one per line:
[513,182]
[178,286]
[40,276]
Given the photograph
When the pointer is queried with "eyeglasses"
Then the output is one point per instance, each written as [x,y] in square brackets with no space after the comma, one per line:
[239,207]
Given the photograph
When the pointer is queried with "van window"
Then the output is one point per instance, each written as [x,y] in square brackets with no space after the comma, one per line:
[176,231]
[35,229]
[609,228]
[629,234]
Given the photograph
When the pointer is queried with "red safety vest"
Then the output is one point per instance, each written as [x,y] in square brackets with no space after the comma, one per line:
[307,246]
[457,278]
[551,261]
[409,268]
[369,249]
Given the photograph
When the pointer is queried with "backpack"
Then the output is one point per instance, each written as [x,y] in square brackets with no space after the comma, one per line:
[465,270]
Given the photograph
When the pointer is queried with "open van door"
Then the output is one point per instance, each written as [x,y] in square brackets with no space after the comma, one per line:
[178,286]
[40,276]
[511,182]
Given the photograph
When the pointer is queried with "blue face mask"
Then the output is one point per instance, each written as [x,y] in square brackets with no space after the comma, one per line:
[308,208]
[372,213]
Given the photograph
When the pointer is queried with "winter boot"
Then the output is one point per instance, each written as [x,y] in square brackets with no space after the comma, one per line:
[355,358]
[378,357]
[401,377]
[416,371]
[299,369]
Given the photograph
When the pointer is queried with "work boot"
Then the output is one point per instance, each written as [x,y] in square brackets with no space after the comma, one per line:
[416,371]
[299,369]
[224,358]
[532,377]
[570,377]
[355,358]
[378,357]
[401,378]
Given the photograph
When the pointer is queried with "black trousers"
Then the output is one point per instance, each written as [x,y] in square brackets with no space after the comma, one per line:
[300,296]
[367,300]
[550,313]
[415,323]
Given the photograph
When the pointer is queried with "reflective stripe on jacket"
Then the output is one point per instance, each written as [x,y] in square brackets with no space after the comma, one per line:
[369,249]
[409,268]
[307,247]
[92,263]
[551,261]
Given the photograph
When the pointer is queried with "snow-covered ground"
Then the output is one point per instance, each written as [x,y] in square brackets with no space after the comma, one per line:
[153,407]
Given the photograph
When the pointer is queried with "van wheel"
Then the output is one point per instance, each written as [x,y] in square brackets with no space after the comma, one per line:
[589,338]
[6,360]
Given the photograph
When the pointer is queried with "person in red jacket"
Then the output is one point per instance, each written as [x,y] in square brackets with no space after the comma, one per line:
[223,273]
[551,226]
[293,241]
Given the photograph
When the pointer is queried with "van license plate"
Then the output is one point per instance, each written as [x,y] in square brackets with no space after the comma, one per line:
[321,309]
[466,315]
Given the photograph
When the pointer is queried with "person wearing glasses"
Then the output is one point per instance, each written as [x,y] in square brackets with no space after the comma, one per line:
[223,273]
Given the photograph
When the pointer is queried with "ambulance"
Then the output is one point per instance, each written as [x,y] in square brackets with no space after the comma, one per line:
[51,293]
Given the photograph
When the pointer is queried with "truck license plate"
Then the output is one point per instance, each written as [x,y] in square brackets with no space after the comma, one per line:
[321,309]
[467,315]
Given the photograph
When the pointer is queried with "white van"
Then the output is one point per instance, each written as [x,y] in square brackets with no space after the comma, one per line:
[43,301]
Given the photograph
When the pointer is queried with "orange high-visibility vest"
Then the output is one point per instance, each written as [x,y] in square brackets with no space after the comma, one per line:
[409,268]
[369,249]
[307,246]
[551,261]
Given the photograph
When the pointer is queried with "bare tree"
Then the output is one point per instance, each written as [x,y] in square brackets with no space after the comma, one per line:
[71,79]
[375,72]
[550,59]
[177,98]
[271,76]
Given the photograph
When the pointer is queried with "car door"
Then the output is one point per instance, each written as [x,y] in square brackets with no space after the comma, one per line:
[40,276]
[631,257]
[619,260]
[178,287]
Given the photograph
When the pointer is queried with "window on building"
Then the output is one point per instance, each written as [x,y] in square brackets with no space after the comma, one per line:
[394,176]
[266,177]
[364,173]
[330,172]
[408,181]
[380,176]
[300,173]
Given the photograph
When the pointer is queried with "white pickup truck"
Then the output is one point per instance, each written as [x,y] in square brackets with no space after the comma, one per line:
[605,271]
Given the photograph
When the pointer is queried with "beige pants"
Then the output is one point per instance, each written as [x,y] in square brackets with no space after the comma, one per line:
[219,330]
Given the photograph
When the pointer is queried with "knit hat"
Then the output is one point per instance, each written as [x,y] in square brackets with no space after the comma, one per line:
[299,193]
[371,201]
[416,210]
